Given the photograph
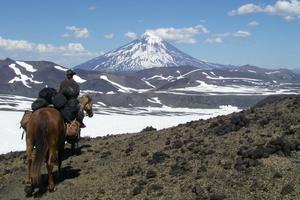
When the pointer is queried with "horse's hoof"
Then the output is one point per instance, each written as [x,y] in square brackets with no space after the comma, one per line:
[51,188]
[28,190]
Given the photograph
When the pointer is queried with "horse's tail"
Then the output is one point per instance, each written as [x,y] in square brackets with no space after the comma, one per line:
[41,149]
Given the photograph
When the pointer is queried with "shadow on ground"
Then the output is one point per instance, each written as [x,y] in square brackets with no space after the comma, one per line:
[66,173]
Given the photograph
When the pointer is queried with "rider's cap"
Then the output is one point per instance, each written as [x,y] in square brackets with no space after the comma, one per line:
[70,72]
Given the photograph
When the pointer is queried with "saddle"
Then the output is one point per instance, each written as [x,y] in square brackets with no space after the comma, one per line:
[72,131]
[72,128]
[25,119]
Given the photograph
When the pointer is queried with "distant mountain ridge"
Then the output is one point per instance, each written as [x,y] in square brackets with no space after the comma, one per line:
[147,52]
[181,86]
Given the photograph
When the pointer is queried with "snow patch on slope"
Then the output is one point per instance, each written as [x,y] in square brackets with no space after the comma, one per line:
[60,68]
[154,100]
[211,89]
[121,88]
[28,67]
[78,79]
[22,77]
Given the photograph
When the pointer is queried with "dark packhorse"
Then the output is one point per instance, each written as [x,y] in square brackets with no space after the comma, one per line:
[45,138]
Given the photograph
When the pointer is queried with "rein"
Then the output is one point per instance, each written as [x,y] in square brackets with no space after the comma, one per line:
[23,135]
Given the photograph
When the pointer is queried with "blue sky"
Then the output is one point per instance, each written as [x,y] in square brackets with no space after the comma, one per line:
[262,33]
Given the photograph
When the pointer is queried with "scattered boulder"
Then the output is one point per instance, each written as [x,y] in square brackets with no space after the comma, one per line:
[176,144]
[139,187]
[137,190]
[287,189]
[217,197]
[180,167]
[155,189]
[158,157]
[277,175]
[151,174]
[135,169]
[199,191]
[105,154]
[148,128]
[144,153]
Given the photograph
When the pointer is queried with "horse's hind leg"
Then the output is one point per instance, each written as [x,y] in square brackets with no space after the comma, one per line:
[50,161]
[29,182]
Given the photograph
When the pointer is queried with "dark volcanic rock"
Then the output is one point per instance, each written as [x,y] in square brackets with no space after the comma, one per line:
[151,174]
[180,167]
[158,157]
[149,128]
[217,197]
[287,189]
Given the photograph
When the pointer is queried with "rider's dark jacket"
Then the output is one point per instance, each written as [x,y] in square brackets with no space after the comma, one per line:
[70,83]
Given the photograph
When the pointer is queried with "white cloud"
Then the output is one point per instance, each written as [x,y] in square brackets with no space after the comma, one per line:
[9,44]
[238,33]
[180,35]
[214,40]
[69,54]
[109,36]
[131,35]
[78,32]
[218,38]
[202,28]
[241,34]
[253,23]
[288,9]
[245,9]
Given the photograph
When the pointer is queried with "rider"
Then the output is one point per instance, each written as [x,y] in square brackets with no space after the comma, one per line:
[71,84]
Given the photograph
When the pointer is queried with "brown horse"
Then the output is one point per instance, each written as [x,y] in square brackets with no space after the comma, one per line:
[45,133]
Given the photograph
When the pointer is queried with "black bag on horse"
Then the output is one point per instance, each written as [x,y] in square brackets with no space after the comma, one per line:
[39,103]
[70,110]
[59,100]
[47,94]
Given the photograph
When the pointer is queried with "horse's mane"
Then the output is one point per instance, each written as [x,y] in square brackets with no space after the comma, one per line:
[86,96]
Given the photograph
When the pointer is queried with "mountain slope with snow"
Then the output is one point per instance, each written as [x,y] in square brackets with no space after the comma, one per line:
[182,86]
[147,52]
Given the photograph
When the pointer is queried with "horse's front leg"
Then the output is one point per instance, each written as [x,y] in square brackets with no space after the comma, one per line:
[50,163]
[61,148]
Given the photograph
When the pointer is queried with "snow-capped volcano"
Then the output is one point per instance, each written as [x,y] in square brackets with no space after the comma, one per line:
[146,52]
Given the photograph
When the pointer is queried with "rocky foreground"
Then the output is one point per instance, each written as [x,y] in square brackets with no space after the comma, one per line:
[254,154]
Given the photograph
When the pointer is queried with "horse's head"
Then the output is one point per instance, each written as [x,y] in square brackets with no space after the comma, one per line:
[86,102]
